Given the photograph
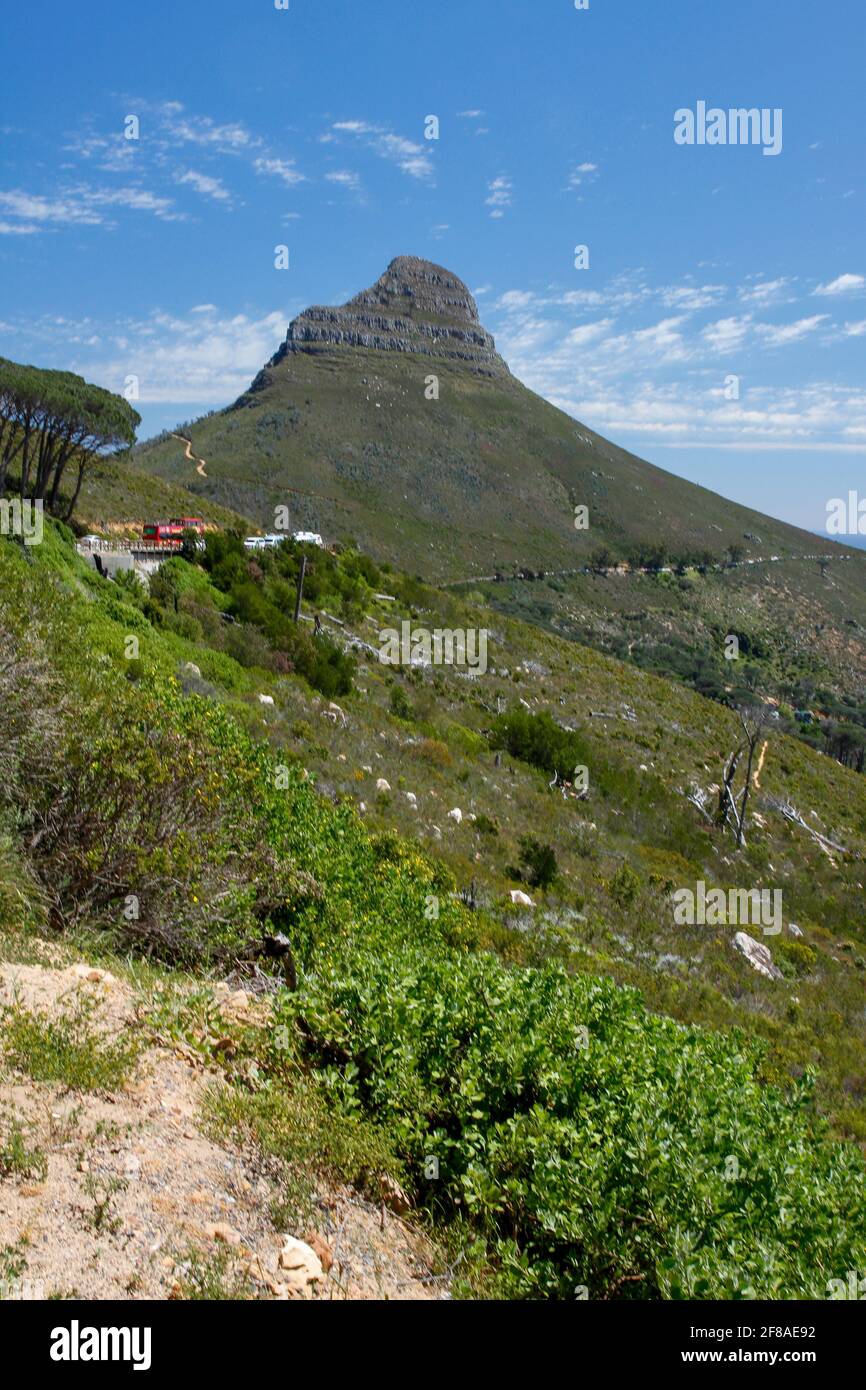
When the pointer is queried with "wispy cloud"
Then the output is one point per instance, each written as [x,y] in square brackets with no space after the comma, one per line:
[283,169]
[843,284]
[727,334]
[582,174]
[347,178]
[202,356]
[19,228]
[499,195]
[779,335]
[84,206]
[206,184]
[183,128]
[766,291]
[408,156]
[663,382]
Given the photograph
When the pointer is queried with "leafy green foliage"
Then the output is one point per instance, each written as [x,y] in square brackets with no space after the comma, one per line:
[538,862]
[66,1049]
[637,1159]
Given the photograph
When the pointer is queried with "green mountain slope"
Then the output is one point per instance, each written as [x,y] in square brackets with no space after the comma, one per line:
[485,477]
[582,1142]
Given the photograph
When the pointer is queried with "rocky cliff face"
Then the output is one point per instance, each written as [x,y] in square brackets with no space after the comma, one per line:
[415,307]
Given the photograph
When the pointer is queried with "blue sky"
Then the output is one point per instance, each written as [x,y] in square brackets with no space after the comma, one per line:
[259,127]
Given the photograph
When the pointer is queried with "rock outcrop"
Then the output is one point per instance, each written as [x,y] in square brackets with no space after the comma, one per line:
[757,954]
[415,307]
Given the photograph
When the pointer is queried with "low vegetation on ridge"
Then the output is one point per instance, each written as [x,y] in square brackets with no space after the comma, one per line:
[562,1137]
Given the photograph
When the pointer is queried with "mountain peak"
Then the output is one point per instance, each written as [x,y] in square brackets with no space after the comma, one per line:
[415,306]
[420,289]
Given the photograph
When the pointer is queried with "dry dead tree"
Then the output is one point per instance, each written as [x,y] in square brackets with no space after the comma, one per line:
[755,722]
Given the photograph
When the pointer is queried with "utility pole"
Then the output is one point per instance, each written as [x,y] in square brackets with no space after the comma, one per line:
[303,571]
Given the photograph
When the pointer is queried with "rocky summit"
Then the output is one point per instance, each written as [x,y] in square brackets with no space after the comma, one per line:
[478,477]
[415,306]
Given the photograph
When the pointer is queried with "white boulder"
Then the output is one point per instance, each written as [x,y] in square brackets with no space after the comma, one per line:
[300,1263]
[757,954]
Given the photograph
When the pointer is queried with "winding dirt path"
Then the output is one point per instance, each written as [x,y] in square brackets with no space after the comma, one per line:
[193,458]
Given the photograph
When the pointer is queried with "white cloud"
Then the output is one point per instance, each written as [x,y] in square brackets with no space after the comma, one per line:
[279,169]
[499,195]
[765,291]
[36,208]
[843,284]
[588,333]
[727,334]
[345,178]
[410,157]
[18,228]
[691,296]
[579,176]
[227,138]
[205,184]
[83,206]
[201,356]
[778,335]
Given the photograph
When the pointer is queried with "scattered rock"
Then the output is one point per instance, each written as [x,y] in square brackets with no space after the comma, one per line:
[223,1234]
[520,899]
[92,975]
[392,1195]
[301,1264]
[323,1250]
[757,954]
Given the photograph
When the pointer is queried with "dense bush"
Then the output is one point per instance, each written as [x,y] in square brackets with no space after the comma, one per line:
[537,862]
[636,1159]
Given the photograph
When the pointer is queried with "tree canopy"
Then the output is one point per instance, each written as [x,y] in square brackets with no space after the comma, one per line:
[49,419]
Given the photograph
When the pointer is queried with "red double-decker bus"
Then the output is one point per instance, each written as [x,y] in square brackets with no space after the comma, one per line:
[170,533]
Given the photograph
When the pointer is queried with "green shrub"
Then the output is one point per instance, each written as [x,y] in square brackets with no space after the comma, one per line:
[66,1049]
[537,862]
[399,703]
[586,1143]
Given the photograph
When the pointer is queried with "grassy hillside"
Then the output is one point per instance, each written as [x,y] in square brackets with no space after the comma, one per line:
[495,1060]
[476,476]
[117,497]
[485,478]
